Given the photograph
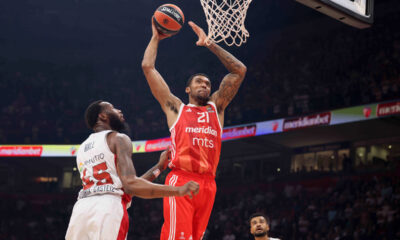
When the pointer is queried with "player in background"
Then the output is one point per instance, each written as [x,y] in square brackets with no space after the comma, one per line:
[109,178]
[259,227]
[196,131]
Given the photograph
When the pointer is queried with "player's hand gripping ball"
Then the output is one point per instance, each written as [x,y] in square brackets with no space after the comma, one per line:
[168,19]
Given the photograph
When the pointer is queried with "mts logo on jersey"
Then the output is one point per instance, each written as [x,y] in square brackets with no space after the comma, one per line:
[203,142]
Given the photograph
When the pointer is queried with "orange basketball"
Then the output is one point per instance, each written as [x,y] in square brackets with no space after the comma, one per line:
[168,19]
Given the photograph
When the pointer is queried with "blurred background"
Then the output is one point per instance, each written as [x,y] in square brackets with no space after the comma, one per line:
[325,182]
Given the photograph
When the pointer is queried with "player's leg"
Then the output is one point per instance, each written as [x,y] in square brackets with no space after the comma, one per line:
[98,217]
[114,222]
[203,203]
[178,212]
[81,224]
[74,223]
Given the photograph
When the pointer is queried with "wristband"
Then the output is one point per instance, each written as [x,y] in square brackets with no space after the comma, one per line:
[156,172]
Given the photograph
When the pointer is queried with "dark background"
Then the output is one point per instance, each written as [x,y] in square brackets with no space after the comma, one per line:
[58,56]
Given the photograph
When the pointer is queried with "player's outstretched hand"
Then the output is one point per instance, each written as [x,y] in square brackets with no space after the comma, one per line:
[165,158]
[200,33]
[190,188]
[156,33]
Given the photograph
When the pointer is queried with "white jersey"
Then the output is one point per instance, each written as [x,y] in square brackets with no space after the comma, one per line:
[97,167]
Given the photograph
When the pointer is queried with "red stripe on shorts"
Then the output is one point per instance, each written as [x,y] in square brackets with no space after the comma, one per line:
[124,226]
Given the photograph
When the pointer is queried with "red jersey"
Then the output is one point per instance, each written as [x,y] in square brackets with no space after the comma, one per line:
[196,139]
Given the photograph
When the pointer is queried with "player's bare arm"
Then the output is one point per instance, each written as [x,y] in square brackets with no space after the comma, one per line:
[232,81]
[136,186]
[153,172]
[159,88]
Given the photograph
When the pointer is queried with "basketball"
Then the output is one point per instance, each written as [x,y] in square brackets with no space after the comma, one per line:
[168,19]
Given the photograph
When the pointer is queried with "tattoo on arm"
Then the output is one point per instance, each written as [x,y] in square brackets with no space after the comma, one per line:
[227,91]
[231,82]
[229,61]
[124,153]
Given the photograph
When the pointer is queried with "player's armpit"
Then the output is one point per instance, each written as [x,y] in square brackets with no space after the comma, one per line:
[160,90]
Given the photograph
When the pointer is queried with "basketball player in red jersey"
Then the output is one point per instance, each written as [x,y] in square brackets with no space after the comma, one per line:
[109,179]
[196,131]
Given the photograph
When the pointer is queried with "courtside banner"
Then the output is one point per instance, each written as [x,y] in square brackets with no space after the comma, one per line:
[38,150]
[387,109]
[21,151]
[269,127]
[307,121]
[157,144]
[139,146]
[239,132]
[339,116]
[57,150]
[354,114]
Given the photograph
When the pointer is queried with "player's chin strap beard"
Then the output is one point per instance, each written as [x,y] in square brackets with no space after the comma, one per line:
[202,100]
[260,234]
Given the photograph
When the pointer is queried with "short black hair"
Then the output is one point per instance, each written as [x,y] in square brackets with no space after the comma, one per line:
[189,81]
[258,214]
[92,113]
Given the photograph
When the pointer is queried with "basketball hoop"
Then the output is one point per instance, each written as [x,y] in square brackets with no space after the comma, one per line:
[225,19]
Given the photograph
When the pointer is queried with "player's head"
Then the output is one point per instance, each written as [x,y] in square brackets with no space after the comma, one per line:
[101,112]
[198,87]
[259,224]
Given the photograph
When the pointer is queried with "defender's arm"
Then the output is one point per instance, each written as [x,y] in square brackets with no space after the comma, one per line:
[153,172]
[136,186]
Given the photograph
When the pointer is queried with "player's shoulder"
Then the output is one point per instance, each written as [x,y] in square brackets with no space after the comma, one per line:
[118,139]
[120,136]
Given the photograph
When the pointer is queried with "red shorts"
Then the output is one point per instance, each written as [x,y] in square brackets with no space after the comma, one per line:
[185,218]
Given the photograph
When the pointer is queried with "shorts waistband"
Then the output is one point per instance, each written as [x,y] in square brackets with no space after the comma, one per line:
[193,175]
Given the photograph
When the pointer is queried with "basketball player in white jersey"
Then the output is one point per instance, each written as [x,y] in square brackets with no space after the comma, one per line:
[259,227]
[109,179]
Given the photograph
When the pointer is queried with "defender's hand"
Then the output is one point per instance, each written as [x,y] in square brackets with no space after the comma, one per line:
[165,158]
[190,188]
[202,41]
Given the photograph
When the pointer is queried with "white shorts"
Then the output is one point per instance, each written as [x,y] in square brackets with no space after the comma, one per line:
[99,217]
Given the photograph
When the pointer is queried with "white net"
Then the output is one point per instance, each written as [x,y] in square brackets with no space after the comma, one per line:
[225,19]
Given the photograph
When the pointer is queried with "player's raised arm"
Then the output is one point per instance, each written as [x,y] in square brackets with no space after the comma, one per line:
[232,81]
[153,172]
[136,186]
[159,88]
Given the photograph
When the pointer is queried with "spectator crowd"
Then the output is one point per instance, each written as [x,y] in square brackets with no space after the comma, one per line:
[344,208]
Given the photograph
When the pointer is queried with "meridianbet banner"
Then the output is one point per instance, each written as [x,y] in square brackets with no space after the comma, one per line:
[339,116]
